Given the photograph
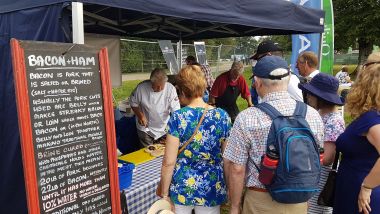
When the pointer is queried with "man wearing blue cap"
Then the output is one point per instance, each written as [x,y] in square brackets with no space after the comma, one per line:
[248,140]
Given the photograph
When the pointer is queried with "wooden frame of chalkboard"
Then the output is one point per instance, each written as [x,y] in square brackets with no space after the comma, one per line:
[66,122]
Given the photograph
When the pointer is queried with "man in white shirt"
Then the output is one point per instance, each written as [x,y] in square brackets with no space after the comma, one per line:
[293,89]
[152,102]
[307,64]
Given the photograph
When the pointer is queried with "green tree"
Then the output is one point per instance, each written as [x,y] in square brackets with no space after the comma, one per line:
[357,23]
[285,42]
[140,56]
[246,45]
[227,47]
[221,41]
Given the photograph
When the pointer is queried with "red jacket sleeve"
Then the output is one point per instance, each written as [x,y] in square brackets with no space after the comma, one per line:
[215,90]
[244,88]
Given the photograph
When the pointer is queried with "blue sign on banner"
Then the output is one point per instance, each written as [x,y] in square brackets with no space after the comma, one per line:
[305,42]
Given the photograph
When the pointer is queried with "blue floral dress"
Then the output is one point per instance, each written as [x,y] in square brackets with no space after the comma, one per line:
[198,174]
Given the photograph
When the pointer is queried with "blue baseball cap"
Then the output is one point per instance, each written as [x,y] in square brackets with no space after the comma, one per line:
[267,64]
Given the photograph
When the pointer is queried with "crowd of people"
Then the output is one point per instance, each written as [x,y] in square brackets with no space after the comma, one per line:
[216,154]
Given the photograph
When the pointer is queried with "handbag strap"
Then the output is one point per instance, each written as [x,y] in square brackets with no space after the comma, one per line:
[335,164]
[195,132]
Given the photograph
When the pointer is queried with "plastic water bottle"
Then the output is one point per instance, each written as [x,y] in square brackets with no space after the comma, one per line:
[269,165]
[321,155]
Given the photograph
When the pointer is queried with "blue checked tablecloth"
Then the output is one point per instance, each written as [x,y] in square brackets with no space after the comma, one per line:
[142,193]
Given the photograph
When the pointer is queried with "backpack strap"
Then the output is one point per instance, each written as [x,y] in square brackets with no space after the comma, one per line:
[300,110]
[258,168]
[269,110]
[272,113]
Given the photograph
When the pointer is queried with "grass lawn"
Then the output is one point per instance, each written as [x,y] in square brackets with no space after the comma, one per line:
[124,90]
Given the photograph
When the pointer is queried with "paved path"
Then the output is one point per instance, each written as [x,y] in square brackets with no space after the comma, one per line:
[135,76]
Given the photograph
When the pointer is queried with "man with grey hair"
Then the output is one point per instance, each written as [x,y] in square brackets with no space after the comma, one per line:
[227,88]
[247,142]
[152,101]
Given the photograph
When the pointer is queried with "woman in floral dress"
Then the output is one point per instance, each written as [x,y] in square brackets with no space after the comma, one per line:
[194,179]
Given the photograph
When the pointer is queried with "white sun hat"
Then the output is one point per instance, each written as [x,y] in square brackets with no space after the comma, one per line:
[160,207]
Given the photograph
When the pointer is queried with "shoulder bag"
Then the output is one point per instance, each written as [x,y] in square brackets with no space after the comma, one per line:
[326,198]
[183,147]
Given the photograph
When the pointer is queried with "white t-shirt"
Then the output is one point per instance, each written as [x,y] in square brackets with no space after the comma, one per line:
[156,106]
[293,89]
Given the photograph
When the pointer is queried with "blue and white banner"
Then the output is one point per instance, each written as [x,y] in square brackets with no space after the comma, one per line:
[305,42]
[169,56]
[200,52]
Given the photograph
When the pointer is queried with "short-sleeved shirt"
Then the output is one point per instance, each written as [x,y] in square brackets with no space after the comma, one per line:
[334,126]
[248,138]
[342,77]
[359,156]
[198,174]
[222,81]
[293,89]
[156,106]
[208,75]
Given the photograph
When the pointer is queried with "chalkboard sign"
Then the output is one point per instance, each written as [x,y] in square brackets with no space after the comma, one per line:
[66,125]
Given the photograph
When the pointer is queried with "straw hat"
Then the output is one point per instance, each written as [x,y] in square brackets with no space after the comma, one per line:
[160,207]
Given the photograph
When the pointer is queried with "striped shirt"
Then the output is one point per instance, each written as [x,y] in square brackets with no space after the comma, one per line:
[208,75]
[248,137]
[334,126]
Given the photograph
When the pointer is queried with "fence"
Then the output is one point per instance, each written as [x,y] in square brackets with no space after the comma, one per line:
[144,56]
[346,59]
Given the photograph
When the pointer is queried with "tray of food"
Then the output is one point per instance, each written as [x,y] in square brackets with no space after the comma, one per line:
[156,150]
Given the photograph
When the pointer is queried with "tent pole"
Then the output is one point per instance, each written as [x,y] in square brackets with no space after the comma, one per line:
[179,49]
[77,20]
[218,62]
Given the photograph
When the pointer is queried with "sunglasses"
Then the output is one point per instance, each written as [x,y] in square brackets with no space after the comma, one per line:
[370,63]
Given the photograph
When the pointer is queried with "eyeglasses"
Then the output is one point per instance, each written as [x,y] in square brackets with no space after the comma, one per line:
[370,63]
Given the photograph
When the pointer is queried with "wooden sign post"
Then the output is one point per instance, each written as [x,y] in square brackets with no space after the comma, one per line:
[67,128]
